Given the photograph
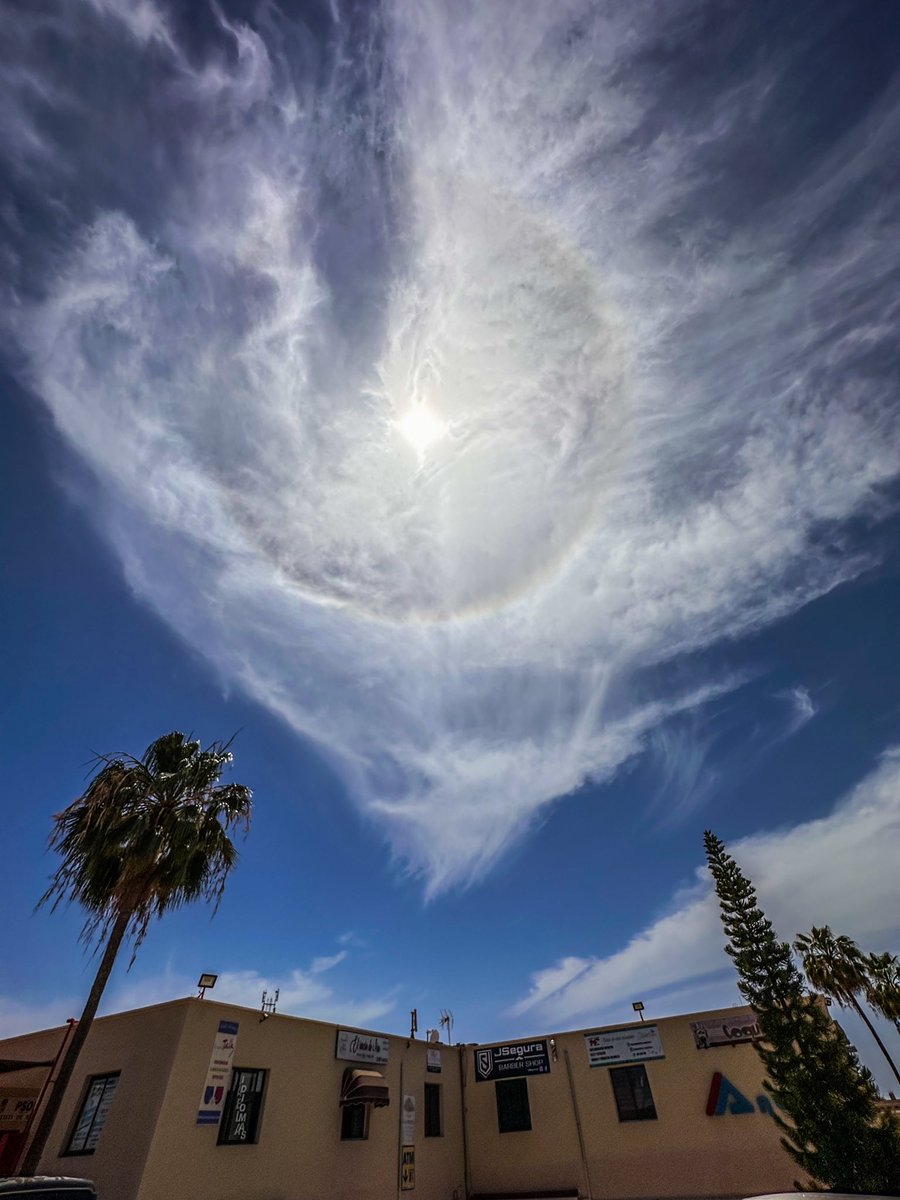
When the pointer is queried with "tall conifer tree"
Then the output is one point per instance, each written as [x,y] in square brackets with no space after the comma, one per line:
[827,1104]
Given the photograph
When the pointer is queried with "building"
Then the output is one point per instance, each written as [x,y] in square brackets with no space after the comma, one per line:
[210,1101]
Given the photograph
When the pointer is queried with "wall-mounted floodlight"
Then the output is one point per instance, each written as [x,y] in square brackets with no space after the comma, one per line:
[638,1007]
[205,981]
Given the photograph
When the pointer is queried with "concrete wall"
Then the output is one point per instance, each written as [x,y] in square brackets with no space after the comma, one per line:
[142,1046]
[683,1152]
[300,1154]
[153,1149]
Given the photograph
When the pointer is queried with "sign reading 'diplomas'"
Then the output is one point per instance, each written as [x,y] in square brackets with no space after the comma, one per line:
[610,1047]
[504,1062]
[361,1047]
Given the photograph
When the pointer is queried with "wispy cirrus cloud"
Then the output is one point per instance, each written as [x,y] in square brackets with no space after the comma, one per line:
[653,405]
[835,870]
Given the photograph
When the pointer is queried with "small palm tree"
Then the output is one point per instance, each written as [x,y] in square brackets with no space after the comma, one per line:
[836,966]
[883,986]
[146,836]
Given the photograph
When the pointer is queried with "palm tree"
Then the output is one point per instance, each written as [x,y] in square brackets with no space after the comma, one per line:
[836,966]
[146,836]
[883,986]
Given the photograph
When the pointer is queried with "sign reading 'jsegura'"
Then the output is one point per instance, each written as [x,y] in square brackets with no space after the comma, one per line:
[503,1062]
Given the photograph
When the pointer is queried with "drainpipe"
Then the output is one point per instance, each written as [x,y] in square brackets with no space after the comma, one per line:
[467,1181]
[400,1124]
[584,1161]
[71,1022]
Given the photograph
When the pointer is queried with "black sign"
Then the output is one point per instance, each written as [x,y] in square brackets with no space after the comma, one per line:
[504,1062]
[240,1121]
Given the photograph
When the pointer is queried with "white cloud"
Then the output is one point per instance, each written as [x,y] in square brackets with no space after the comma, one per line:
[652,415]
[20,1016]
[838,870]
[326,962]
[144,20]
[302,992]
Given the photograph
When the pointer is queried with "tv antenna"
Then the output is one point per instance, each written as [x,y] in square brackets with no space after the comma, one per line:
[447,1023]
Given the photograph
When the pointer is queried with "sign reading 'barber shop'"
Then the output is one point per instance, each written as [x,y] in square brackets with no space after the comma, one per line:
[503,1062]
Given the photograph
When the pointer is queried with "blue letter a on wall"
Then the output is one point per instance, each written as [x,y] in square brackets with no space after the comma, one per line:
[724,1097]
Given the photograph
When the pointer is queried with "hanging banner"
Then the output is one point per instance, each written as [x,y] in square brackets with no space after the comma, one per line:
[504,1062]
[740,1026]
[361,1047]
[216,1085]
[433,1060]
[610,1047]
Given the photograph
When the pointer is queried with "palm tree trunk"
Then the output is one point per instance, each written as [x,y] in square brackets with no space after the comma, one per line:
[874,1033]
[67,1066]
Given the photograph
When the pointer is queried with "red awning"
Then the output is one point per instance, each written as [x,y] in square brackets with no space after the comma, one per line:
[364,1087]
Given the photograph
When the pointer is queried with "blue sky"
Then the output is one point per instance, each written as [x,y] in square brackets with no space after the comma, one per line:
[491,421]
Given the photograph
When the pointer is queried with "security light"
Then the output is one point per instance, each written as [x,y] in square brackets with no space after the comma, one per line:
[205,981]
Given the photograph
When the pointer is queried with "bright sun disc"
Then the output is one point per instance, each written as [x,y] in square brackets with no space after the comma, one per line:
[421,428]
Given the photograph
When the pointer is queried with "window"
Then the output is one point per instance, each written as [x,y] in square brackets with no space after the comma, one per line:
[513,1113]
[93,1114]
[354,1122]
[243,1108]
[433,1126]
[631,1088]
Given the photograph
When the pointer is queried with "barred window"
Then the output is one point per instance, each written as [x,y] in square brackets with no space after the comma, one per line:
[631,1088]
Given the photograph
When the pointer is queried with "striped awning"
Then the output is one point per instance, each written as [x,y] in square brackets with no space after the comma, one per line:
[364,1087]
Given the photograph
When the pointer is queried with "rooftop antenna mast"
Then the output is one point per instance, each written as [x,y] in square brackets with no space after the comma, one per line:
[268,1004]
[447,1023]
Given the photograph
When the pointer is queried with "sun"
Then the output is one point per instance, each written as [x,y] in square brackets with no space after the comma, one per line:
[421,428]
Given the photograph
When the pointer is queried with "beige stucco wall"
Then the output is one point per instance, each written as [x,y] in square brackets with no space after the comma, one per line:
[682,1153]
[300,1154]
[141,1045]
[152,1143]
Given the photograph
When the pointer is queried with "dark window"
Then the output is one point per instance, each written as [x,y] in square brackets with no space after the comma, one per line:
[433,1110]
[631,1088]
[354,1122]
[243,1108]
[93,1113]
[513,1113]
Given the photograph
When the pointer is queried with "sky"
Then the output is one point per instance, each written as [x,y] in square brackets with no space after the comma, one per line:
[488,414]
